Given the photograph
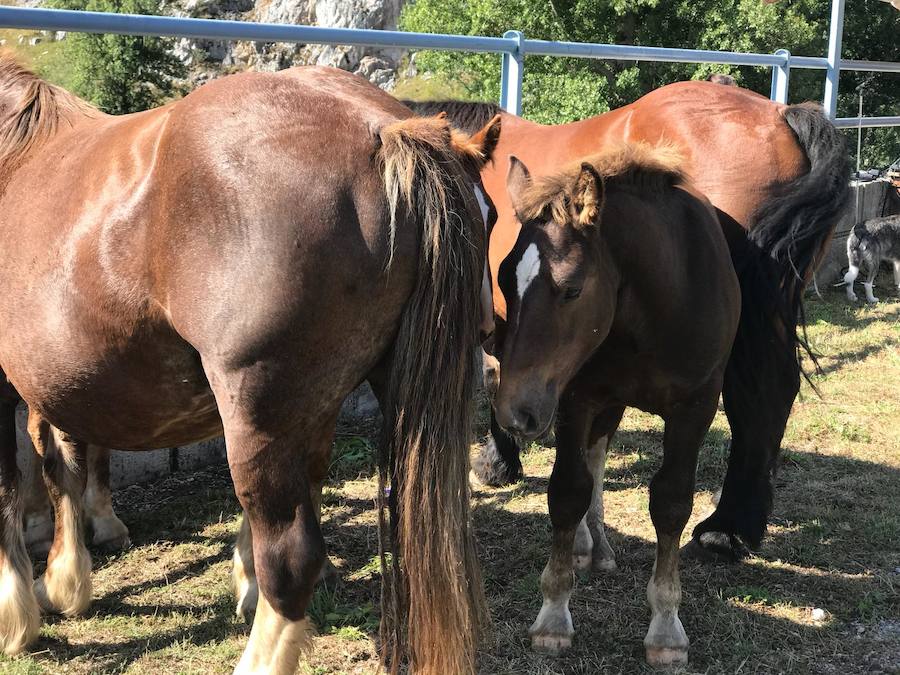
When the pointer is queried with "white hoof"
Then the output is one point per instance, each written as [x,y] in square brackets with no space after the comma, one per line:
[551,644]
[552,631]
[109,532]
[665,657]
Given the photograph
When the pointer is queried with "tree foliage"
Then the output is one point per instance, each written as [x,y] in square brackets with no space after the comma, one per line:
[560,90]
[120,73]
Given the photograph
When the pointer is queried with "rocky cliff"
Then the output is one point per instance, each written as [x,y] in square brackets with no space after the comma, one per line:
[208,59]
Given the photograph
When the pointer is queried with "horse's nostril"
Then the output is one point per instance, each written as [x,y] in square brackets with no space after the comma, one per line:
[527,421]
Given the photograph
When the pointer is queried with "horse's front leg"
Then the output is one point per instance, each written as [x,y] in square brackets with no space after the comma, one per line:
[498,463]
[671,500]
[592,550]
[568,497]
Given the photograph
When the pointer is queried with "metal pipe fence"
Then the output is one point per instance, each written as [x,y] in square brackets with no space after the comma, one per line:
[513,47]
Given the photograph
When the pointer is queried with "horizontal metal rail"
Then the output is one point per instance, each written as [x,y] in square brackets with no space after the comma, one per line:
[217,29]
[512,45]
[867,122]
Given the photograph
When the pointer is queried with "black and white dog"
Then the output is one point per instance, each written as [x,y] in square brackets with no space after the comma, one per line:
[869,243]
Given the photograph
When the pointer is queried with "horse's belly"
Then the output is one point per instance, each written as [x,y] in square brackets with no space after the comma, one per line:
[131,402]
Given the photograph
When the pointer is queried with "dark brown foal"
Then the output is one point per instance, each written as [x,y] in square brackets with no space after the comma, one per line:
[620,292]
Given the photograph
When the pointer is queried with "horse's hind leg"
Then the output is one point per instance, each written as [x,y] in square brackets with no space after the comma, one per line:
[671,499]
[107,530]
[272,481]
[568,496]
[65,587]
[243,572]
[20,618]
[897,273]
[592,550]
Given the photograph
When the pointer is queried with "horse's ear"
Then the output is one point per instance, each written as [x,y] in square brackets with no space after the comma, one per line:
[587,197]
[477,150]
[518,180]
[486,139]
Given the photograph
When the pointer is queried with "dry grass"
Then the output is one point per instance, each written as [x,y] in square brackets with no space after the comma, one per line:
[165,605]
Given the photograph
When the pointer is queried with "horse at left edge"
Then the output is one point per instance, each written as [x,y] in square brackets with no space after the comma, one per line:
[170,276]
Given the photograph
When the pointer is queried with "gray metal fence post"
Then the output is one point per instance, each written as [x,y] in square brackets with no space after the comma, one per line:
[833,72]
[511,75]
[781,76]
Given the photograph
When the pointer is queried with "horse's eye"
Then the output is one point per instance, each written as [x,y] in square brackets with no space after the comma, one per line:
[571,293]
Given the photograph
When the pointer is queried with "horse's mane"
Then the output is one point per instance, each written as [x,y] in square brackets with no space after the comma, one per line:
[641,166]
[33,109]
[468,116]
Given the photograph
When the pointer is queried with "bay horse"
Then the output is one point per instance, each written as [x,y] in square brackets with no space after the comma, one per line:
[237,262]
[778,177]
[594,324]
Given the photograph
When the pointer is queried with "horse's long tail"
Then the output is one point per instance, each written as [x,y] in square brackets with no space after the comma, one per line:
[787,238]
[434,600]
[795,225]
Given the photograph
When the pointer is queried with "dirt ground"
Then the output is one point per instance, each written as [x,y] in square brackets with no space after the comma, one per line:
[822,596]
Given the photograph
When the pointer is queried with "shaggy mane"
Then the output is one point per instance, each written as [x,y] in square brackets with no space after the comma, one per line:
[645,167]
[33,109]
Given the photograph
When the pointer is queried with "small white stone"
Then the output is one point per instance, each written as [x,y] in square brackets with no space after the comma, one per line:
[818,614]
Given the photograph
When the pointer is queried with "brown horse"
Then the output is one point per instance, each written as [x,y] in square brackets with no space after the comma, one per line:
[778,178]
[595,323]
[237,262]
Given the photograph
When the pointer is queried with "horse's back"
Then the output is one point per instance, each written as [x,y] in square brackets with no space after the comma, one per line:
[736,144]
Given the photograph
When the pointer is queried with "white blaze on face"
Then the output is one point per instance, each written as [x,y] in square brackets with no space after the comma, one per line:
[527,269]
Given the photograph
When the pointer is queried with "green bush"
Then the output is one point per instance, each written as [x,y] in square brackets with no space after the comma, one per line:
[120,73]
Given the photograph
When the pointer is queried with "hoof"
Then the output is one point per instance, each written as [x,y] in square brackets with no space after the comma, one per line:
[492,471]
[550,644]
[109,533]
[665,657]
[715,547]
[605,565]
